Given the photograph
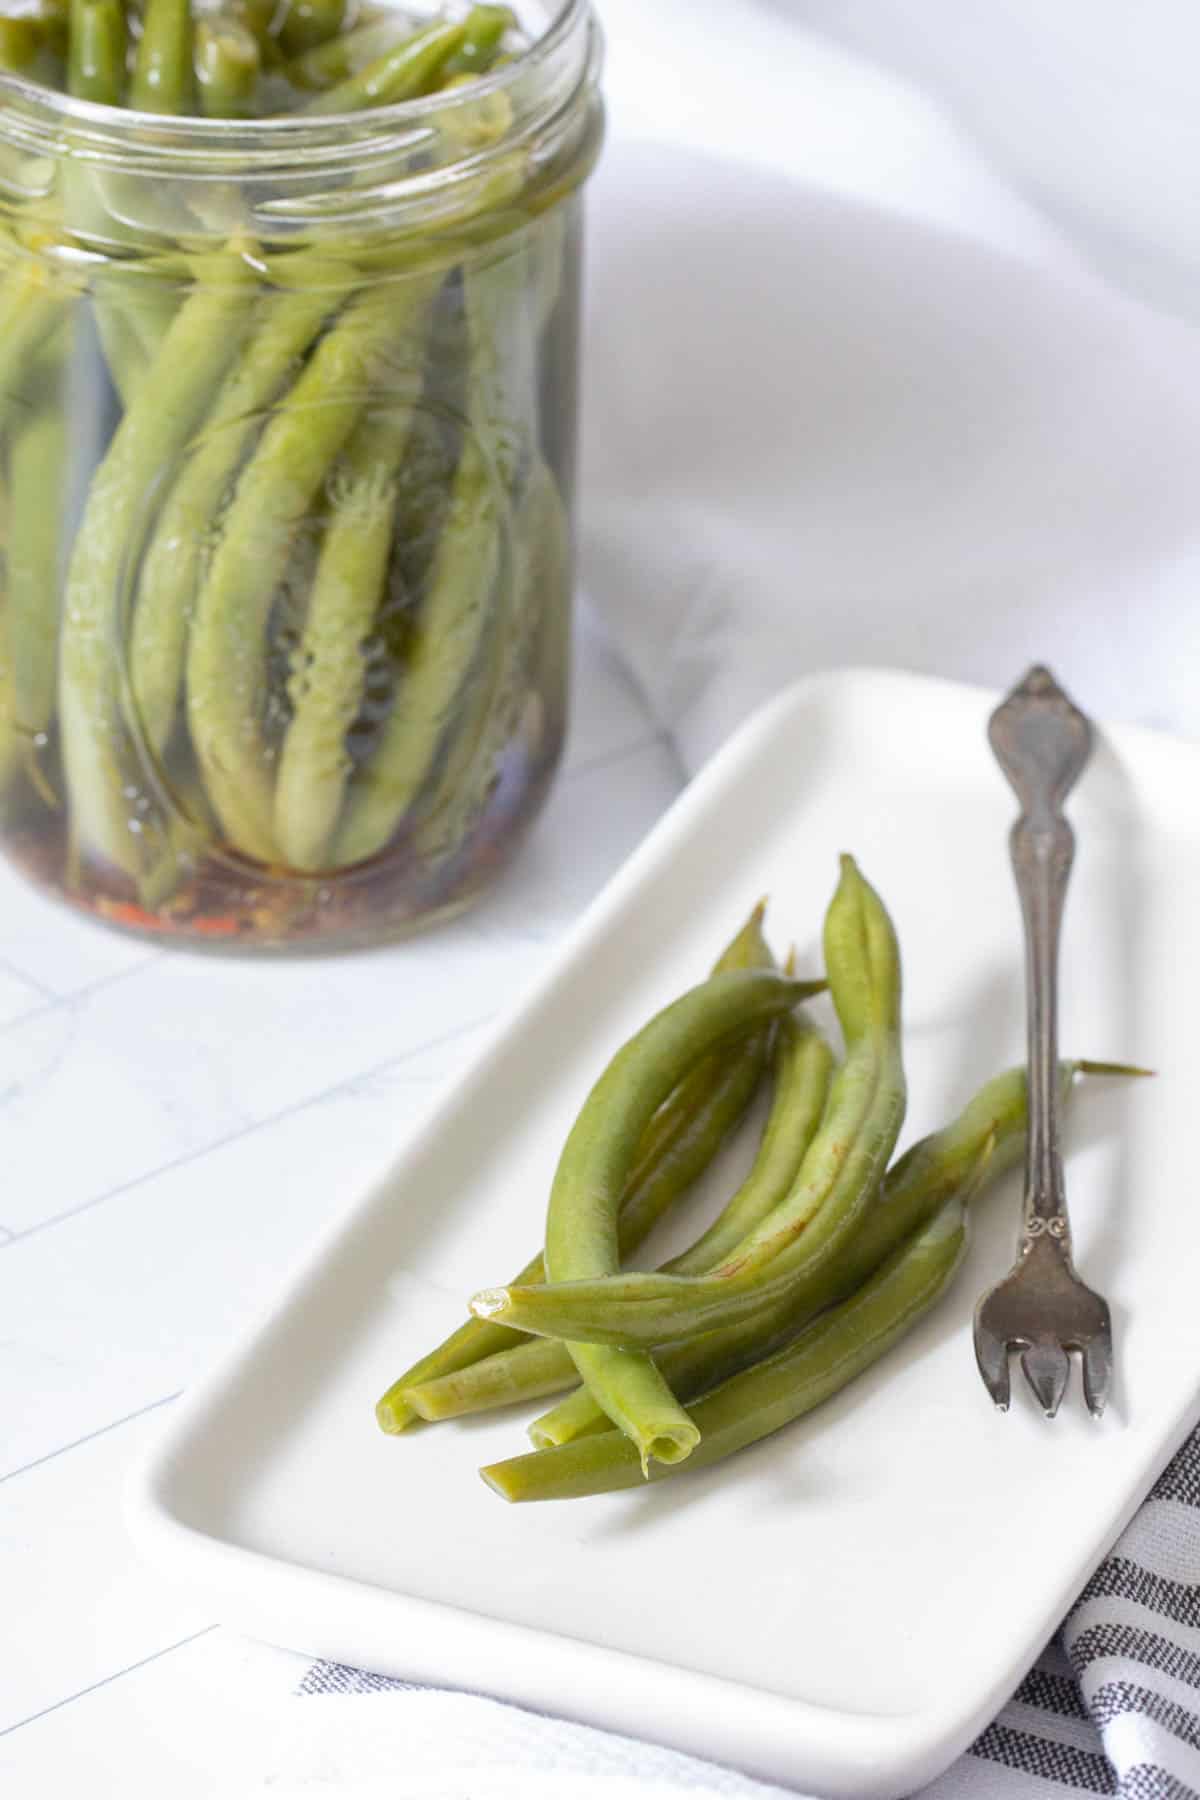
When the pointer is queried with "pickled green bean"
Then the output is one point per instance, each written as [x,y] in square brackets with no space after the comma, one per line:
[327,684]
[486,27]
[825,1358]
[37,462]
[286,325]
[124,351]
[54,17]
[20,43]
[99,41]
[676,1146]
[547,532]
[531,1370]
[32,303]
[226,667]
[345,55]
[551,257]
[456,664]
[199,346]
[504,354]
[10,738]
[801,1070]
[838,1179]
[455,621]
[581,1221]
[480,718]
[679,1162]
[162,80]
[306,24]
[227,66]
[541,602]
[261,19]
[409,69]
[130,325]
[150,310]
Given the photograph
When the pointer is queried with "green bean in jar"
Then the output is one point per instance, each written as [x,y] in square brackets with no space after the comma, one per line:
[289,303]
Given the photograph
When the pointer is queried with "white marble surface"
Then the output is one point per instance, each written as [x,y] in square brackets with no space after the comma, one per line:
[173,1128]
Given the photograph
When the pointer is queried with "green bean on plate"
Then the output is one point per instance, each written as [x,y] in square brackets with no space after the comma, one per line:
[676,1147]
[826,1254]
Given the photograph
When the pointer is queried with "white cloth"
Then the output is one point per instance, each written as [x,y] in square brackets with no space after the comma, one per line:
[820,435]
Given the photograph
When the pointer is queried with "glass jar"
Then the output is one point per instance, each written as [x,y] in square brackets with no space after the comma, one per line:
[287,412]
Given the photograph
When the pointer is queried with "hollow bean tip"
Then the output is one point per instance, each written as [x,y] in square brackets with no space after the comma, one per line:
[489,1302]
[789,967]
[671,1446]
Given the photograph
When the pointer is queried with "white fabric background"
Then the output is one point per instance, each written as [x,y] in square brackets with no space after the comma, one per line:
[818,434]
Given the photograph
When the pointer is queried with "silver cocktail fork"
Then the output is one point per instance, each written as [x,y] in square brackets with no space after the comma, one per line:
[1042,1309]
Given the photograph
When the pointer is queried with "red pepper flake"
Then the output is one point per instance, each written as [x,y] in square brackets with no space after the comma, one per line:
[124,912]
[214,927]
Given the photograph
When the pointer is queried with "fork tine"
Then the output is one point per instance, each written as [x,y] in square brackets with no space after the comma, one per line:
[1047,1370]
[991,1353]
[1097,1355]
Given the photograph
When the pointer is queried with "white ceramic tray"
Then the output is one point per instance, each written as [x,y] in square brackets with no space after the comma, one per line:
[846,1605]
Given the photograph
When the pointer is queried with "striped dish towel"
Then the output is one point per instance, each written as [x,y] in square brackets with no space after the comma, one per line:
[1111,1707]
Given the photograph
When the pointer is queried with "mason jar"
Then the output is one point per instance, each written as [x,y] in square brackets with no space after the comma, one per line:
[287,426]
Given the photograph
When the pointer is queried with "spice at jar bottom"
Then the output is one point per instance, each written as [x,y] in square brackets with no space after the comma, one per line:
[287,426]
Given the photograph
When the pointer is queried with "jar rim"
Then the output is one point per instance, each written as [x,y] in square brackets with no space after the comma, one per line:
[43,115]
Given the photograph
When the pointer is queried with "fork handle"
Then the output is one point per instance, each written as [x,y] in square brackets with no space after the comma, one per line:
[1042,854]
[1042,742]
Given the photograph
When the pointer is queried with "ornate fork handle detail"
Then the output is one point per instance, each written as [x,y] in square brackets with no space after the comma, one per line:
[1042,742]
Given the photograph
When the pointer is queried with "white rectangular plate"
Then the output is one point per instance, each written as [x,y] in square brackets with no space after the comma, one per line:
[844,1606]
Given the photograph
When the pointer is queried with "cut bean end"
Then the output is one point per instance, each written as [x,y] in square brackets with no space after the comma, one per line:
[541,1438]
[669,1444]
[495,1477]
[395,1414]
